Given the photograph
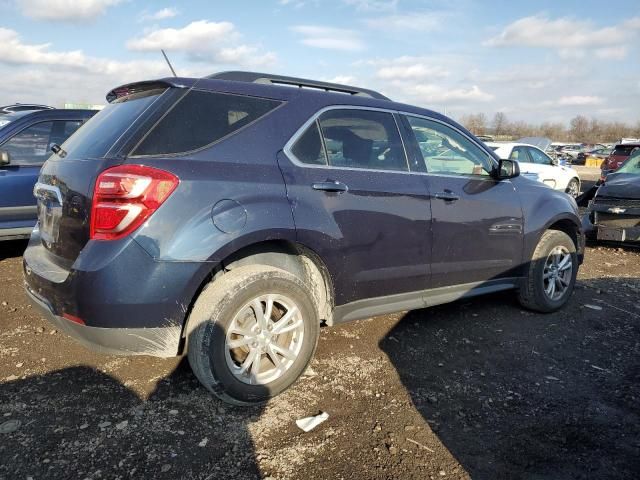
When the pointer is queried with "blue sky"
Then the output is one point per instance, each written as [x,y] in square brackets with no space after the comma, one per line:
[535,61]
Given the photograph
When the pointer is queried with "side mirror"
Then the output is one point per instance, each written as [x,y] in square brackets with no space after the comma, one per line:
[507,169]
[4,158]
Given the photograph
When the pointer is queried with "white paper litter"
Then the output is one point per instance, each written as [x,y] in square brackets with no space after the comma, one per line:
[309,423]
[593,307]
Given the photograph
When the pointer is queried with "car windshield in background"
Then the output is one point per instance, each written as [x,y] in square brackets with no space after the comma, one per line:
[632,165]
[624,150]
[99,134]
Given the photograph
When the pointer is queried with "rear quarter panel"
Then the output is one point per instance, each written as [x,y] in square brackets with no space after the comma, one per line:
[231,195]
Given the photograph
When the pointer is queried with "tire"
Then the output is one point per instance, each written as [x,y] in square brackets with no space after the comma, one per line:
[573,187]
[534,293]
[227,305]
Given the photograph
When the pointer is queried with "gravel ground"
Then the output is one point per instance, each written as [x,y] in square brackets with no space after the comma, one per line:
[478,388]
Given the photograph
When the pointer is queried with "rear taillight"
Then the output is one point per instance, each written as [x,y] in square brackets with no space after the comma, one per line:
[125,196]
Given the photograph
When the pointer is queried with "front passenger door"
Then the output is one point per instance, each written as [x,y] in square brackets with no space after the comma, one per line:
[27,151]
[477,225]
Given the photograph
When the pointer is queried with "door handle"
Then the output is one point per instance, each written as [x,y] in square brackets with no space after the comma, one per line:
[330,186]
[447,196]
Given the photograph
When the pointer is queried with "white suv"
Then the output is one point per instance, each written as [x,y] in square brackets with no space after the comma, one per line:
[536,164]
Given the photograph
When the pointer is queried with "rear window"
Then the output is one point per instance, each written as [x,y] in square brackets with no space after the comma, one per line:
[624,150]
[200,119]
[99,134]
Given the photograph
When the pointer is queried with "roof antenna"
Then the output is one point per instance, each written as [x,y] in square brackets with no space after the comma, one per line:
[168,62]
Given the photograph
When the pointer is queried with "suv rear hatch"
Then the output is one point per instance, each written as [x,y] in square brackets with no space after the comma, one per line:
[65,186]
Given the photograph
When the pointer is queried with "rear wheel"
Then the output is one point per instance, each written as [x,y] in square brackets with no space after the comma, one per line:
[551,273]
[573,188]
[252,333]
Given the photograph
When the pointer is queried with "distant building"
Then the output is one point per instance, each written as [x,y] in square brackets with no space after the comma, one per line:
[82,106]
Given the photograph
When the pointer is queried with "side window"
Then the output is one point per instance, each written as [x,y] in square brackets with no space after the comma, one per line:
[538,157]
[362,139]
[308,148]
[70,127]
[520,154]
[447,151]
[30,146]
[201,118]
[63,129]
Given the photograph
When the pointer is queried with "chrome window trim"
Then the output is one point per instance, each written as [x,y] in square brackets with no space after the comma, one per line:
[287,149]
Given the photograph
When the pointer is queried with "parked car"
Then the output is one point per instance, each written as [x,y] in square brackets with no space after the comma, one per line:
[538,165]
[599,153]
[26,138]
[614,213]
[228,217]
[620,154]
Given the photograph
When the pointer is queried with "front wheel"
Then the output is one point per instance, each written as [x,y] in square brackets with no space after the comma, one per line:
[252,333]
[573,188]
[551,273]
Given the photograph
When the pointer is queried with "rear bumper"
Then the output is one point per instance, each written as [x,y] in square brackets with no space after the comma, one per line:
[130,303]
[157,342]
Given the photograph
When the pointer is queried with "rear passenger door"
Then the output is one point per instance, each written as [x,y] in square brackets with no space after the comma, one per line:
[357,204]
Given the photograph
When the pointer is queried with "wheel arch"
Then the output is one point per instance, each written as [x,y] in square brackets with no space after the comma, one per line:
[286,255]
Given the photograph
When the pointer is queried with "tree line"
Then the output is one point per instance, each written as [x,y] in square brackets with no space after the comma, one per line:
[580,129]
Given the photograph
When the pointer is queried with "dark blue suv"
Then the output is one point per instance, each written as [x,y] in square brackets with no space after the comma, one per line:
[229,217]
[26,138]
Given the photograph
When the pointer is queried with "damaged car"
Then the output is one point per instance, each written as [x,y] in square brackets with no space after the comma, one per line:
[614,213]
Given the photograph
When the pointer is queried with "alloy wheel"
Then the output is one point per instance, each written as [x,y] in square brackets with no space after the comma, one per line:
[264,339]
[557,273]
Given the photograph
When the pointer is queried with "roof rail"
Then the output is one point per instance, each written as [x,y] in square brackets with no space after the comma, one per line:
[255,77]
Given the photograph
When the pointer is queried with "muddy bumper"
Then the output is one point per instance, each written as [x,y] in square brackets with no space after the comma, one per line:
[158,342]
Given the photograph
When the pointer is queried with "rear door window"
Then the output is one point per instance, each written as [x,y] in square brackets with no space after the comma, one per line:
[365,139]
[201,118]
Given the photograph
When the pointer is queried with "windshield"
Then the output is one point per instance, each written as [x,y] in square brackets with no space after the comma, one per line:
[98,135]
[624,150]
[632,165]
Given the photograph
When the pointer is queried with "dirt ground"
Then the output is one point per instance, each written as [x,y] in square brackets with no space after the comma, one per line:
[478,388]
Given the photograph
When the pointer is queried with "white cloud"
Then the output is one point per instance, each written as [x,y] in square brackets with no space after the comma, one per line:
[438,94]
[410,68]
[343,79]
[580,100]
[38,73]
[330,38]
[570,37]
[162,14]
[419,21]
[611,53]
[372,5]
[205,41]
[65,10]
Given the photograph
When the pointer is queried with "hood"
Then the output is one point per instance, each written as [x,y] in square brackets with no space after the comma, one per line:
[541,142]
[621,185]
